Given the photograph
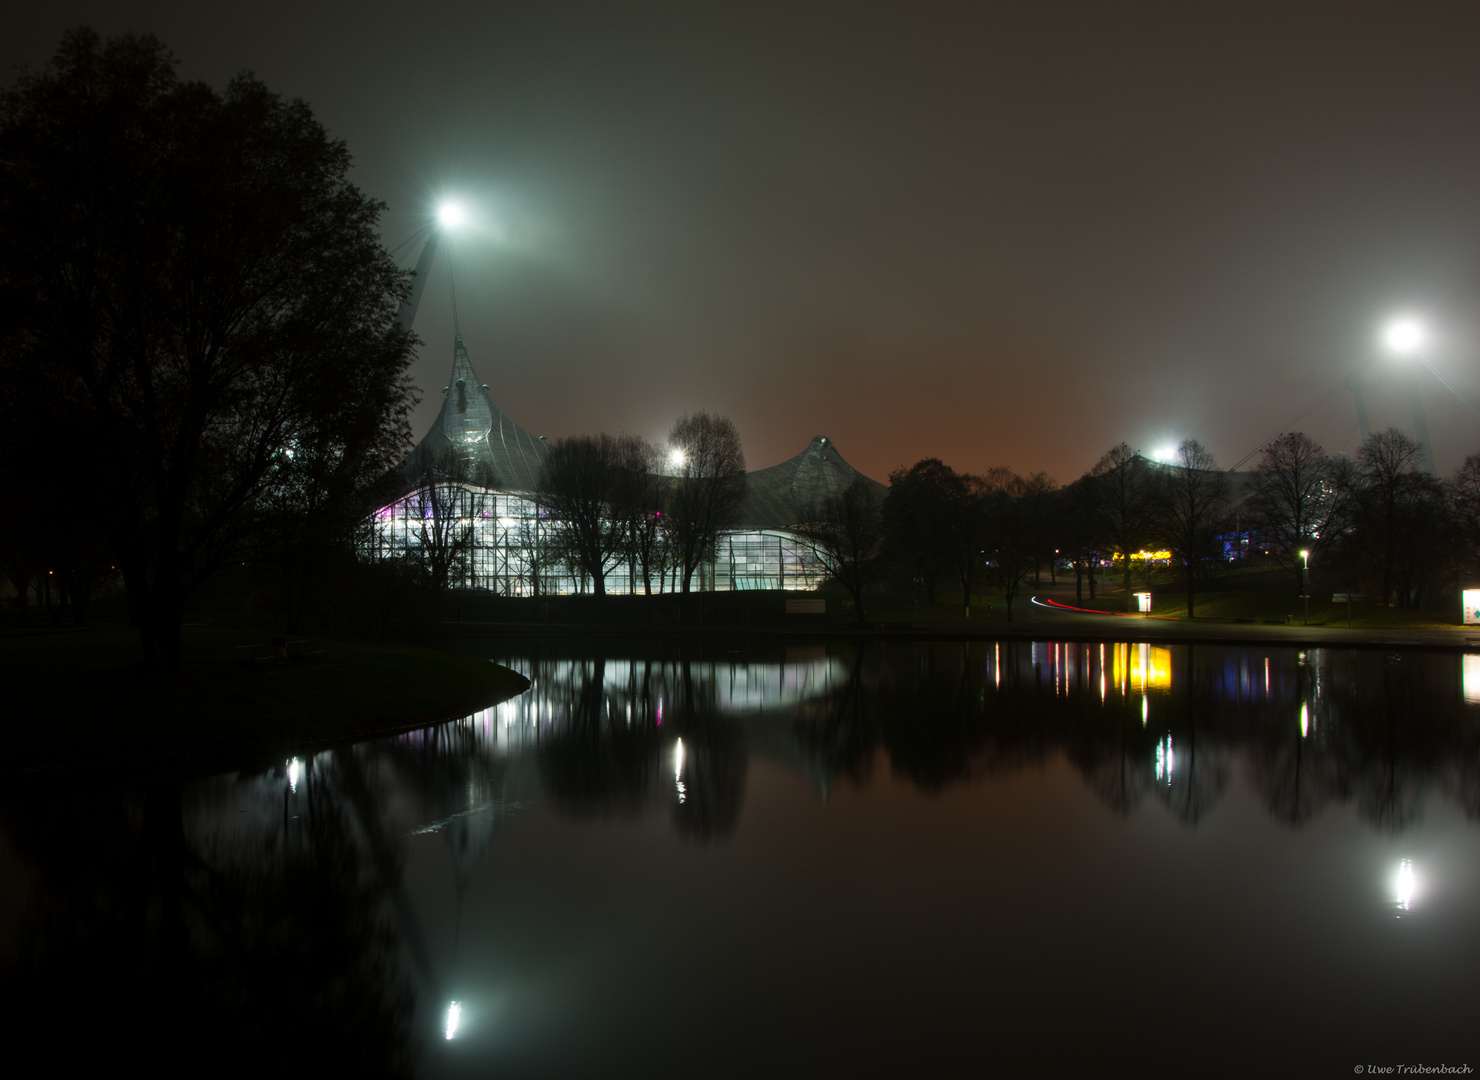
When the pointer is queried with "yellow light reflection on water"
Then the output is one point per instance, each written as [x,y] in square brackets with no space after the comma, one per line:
[1142,667]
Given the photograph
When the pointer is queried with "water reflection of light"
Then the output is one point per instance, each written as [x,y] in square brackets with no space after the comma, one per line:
[1406,884]
[1145,711]
[1164,759]
[1470,677]
[678,771]
[1149,667]
[295,770]
[1304,720]
[454,1018]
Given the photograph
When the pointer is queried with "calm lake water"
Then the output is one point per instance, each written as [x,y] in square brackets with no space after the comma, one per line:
[878,859]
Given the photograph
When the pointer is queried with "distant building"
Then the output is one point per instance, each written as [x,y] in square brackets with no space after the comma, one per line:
[471,494]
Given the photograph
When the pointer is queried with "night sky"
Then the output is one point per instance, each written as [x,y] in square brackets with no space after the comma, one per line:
[999,234]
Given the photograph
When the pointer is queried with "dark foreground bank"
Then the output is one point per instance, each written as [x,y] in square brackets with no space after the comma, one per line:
[79,699]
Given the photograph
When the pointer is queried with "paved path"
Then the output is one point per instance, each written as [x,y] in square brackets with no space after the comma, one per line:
[1054,622]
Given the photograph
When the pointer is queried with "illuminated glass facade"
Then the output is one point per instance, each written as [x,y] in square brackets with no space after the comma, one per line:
[483,538]
[470,520]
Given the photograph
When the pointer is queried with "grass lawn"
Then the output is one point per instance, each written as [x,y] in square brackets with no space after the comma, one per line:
[76,699]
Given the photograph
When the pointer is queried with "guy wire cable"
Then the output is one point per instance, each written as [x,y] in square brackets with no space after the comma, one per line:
[1243,460]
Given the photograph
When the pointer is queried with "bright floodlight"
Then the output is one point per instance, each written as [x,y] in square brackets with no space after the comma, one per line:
[1165,455]
[450,215]
[677,457]
[1404,336]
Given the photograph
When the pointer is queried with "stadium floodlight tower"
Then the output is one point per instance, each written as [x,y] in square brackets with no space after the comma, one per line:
[1405,337]
[450,215]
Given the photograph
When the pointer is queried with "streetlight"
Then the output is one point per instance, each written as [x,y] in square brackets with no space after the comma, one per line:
[1405,337]
[1305,583]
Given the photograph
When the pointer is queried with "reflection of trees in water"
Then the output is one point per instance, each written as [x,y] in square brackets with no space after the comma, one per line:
[1195,773]
[610,745]
[1308,727]
[1294,777]
[156,944]
[1312,727]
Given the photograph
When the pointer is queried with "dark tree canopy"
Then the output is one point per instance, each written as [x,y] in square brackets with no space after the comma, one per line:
[204,295]
[1125,501]
[1298,500]
[593,487]
[1399,536]
[924,526]
[1193,509]
[704,496]
[846,535]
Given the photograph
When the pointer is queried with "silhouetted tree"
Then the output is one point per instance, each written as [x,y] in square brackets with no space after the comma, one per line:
[445,506]
[847,537]
[705,493]
[1464,502]
[592,486]
[647,544]
[1298,500]
[1011,535]
[1073,513]
[1194,509]
[921,516]
[1125,504]
[1397,535]
[204,290]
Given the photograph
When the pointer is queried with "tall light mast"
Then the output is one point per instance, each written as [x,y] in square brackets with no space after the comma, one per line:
[449,216]
[406,313]
[1405,337]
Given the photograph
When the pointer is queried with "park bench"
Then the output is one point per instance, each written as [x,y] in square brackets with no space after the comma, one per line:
[300,652]
[278,651]
[252,656]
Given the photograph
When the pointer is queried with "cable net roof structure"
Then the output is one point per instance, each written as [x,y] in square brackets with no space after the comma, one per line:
[793,492]
[472,436]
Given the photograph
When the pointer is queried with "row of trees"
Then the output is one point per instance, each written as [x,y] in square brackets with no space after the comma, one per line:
[611,499]
[602,501]
[1378,523]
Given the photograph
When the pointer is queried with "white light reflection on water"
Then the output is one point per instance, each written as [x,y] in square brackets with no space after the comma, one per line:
[1164,760]
[454,1018]
[1304,720]
[1405,885]
[678,771]
[1470,677]
[295,770]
